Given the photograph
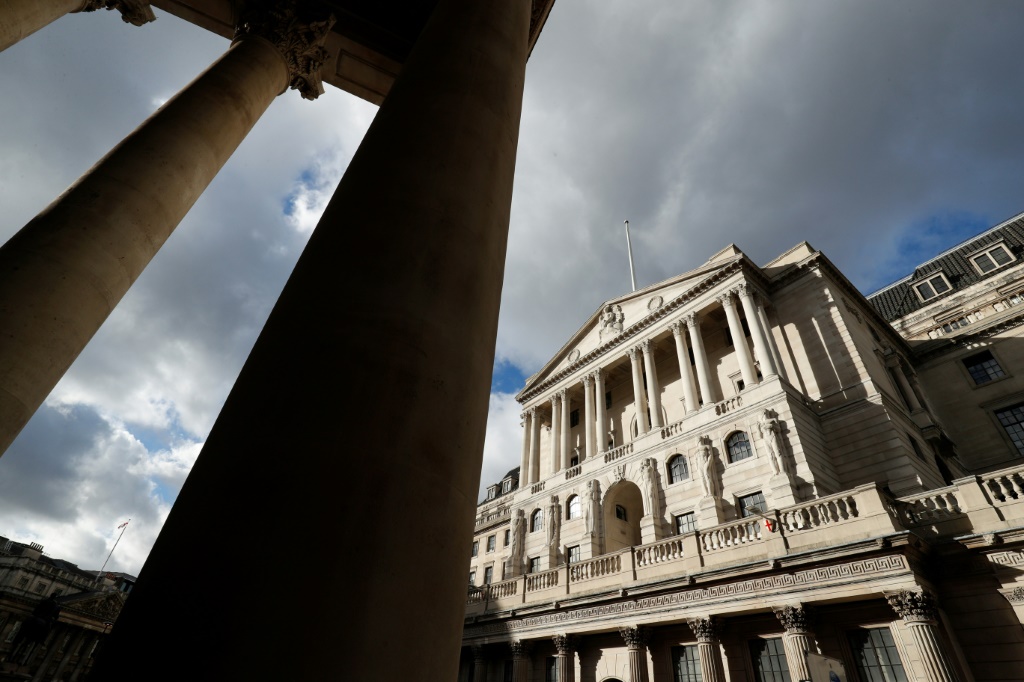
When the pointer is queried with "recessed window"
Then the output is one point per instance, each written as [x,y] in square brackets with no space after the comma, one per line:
[574,418]
[574,461]
[492,492]
[686,664]
[536,521]
[876,656]
[992,259]
[506,485]
[749,504]
[738,446]
[620,513]
[936,285]
[983,367]
[677,470]
[508,538]
[534,565]
[573,554]
[572,510]
[769,658]
[476,548]
[685,523]
[488,575]
[472,577]
[491,542]
[1012,419]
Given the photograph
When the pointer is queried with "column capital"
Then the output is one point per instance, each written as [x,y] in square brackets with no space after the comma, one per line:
[532,411]
[704,629]
[478,652]
[561,393]
[745,290]
[725,299]
[595,375]
[635,638]
[678,327]
[555,397]
[564,644]
[520,649]
[134,12]
[633,352]
[298,32]
[587,379]
[913,606]
[692,320]
[796,619]
[645,346]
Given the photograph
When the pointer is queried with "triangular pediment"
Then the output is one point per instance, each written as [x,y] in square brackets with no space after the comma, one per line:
[614,319]
[104,606]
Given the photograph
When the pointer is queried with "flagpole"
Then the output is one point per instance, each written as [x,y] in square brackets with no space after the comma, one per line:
[124,527]
[629,250]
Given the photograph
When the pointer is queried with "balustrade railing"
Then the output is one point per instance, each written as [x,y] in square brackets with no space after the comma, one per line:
[506,588]
[497,514]
[818,513]
[1004,486]
[672,429]
[606,564]
[929,507]
[618,452]
[476,595]
[573,472]
[742,532]
[537,487]
[542,581]
[658,552]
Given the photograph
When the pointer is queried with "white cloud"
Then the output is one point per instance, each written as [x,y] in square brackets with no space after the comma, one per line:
[504,442]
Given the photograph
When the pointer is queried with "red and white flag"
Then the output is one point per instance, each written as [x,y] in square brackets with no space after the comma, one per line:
[124,524]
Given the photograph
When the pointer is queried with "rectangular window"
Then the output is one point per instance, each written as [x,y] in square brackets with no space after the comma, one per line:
[983,367]
[607,400]
[472,577]
[488,575]
[574,418]
[14,633]
[932,287]
[573,554]
[769,660]
[506,486]
[574,461]
[620,513]
[876,657]
[492,540]
[991,259]
[1012,419]
[685,523]
[686,664]
[748,504]
[476,548]
[534,564]
[508,537]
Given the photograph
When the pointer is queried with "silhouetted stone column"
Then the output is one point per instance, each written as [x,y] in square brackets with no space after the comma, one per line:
[653,387]
[706,632]
[798,640]
[588,416]
[601,420]
[534,444]
[746,295]
[21,18]
[918,611]
[685,369]
[396,298]
[739,340]
[639,404]
[564,646]
[707,393]
[62,274]
[479,664]
[636,645]
[524,465]
[83,656]
[566,431]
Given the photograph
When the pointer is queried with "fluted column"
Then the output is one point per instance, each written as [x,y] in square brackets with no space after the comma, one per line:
[706,632]
[919,613]
[520,661]
[739,340]
[556,436]
[564,647]
[601,421]
[773,347]
[636,645]
[534,445]
[588,416]
[639,404]
[63,273]
[21,18]
[524,462]
[566,431]
[425,204]
[685,369]
[756,333]
[700,360]
[798,640]
[653,387]
[479,664]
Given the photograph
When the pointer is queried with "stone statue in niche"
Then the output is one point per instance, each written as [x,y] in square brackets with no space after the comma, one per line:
[593,504]
[650,481]
[612,319]
[518,539]
[553,522]
[706,457]
[770,428]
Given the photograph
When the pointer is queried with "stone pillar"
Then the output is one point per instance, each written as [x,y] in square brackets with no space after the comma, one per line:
[556,436]
[700,359]
[639,404]
[739,340]
[62,274]
[479,664]
[564,646]
[601,425]
[706,632]
[60,631]
[520,661]
[21,18]
[524,464]
[636,644]
[685,369]
[534,445]
[798,640]
[425,205]
[908,391]
[918,611]
[83,656]
[766,328]
[75,642]
[566,431]
[588,416]
[653,388]
[757,334]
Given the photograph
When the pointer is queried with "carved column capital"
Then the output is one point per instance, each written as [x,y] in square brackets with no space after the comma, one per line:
[796,619]
[726,300]
[520,649]
[298,30]
[633,352]
[134,12]
[561,393]
[704,629]
[587,380]
[478,652]
[532,411]
[692,320]
[596,375]
[555,397]
[635,638]
[744,290]
[913,607]
[645,346]
[678,328]
[564,644]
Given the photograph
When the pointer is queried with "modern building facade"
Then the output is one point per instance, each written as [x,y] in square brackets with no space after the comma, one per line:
[757,473]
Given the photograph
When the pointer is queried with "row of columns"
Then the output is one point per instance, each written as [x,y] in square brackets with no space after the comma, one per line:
[50,662]
[642,363]
[21,18]
[915,607]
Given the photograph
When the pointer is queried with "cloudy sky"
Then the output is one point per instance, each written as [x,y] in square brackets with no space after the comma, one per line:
[880,132]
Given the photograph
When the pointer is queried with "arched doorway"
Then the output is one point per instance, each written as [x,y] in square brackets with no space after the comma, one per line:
[623,507]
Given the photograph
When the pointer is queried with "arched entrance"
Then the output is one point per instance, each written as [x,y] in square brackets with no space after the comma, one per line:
[623,507]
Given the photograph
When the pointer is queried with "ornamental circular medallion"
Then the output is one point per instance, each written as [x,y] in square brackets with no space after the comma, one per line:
[655,303]
[574,356]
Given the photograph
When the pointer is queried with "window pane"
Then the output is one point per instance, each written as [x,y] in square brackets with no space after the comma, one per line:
[985,263]
[686,664]
[983,367]
[677,469]
[925,291]
[574,555]
[876,657]
[488,575]
[750,503]
[939,284]
[686,523]
[739,447]
[1012,419]
[1000,255]
[574,507]
[769,659]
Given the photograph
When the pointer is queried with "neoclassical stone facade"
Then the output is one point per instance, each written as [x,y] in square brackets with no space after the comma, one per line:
[749,479]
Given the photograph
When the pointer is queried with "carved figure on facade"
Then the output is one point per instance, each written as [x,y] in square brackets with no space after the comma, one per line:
[553,524]
[518,540]
[649,476]
[593,506]
[770,429]
[134,12]
[912,606]
[612,319]
[706,457]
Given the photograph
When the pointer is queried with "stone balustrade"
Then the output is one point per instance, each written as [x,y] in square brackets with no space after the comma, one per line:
[728,535]
[817,513]
[573,472]
[537,488]
[1005,486]
[618,452]
[598,567]
[542,581]
[499,514]
[673,429]
[506,588]
[658,552]
[929,507]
